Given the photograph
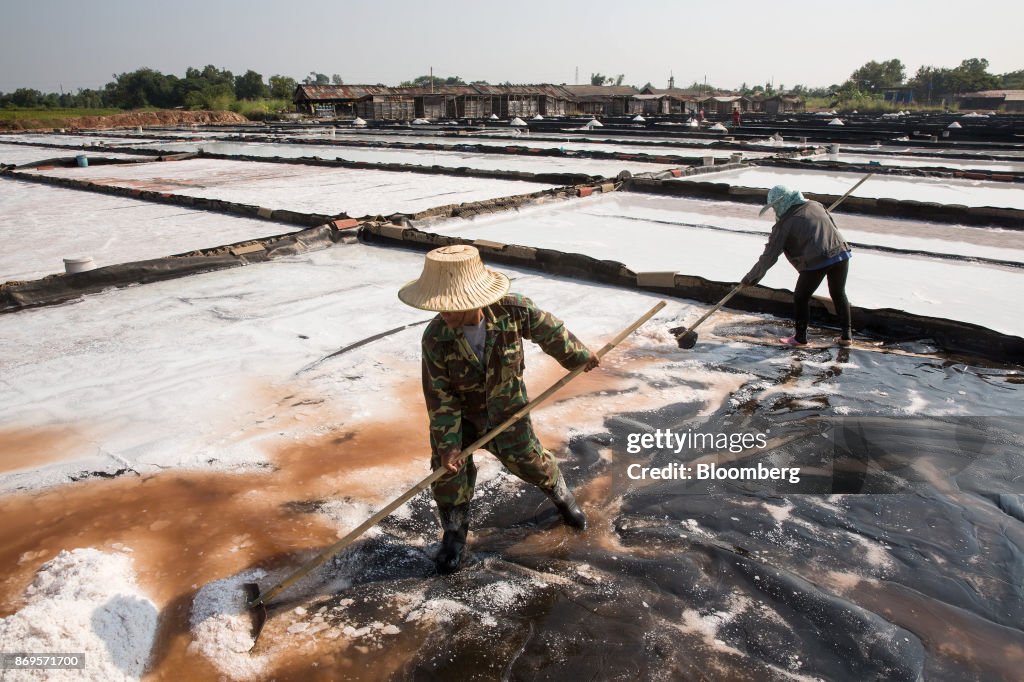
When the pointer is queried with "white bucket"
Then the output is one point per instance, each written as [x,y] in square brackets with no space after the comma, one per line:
[709,161]
[73,265]
[735,158]
[833,148]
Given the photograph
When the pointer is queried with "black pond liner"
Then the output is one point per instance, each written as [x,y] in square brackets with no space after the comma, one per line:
[919,579]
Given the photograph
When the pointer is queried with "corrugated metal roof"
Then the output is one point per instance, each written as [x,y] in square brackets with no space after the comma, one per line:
[328,92]
[602,90]
[314,92]
[680,93]
[1016,94]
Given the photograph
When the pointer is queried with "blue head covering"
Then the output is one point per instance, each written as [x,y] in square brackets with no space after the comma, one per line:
[781,198]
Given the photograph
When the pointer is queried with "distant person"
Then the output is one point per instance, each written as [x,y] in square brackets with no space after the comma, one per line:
[700,115]
[736,117]
[473,381]
[806,233]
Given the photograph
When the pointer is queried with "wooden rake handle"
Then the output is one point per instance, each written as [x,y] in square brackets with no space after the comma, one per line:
[725,299]
[344,542]
[849,192]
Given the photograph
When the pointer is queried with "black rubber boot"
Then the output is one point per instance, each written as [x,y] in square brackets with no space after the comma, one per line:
[455,524]
[566,504]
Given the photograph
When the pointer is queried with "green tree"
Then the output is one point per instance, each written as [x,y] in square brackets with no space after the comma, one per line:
[250,86]
[26,97]
[597,79]
[1013,80]
[336,79]
[282,87]
[874,76]
[972,75]
[426,81]
[143,87]
[315,78]
[931,83]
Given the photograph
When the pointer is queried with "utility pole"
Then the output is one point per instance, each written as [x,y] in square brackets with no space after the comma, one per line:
[577,75]
[431,80]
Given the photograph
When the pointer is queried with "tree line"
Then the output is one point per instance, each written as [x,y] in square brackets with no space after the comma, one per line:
[930,84]
[206,88]
[219,89]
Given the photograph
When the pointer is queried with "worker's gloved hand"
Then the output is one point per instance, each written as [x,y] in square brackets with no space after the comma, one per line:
[593,362]
[749,281]
[451,461]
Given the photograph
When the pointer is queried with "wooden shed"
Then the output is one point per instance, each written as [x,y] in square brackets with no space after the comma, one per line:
[675,100]
[723,105]
[605,100]
[782,104]
[342,100]
[994,100]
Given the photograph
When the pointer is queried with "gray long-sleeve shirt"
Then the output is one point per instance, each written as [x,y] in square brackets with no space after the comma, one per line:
[807,235]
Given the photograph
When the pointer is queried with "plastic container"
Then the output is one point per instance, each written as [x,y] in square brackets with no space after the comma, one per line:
[82,160]
[84,264]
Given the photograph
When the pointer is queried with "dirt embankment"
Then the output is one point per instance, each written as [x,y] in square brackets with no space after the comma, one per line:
[130,119]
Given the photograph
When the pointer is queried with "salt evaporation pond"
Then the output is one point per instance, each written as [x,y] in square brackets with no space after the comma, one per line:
[1009,152]
[230,370]
[943,191]
[667,234]
[17,155]
[662,148]
[302,188]
[424,157]
[41,225]
[923,162]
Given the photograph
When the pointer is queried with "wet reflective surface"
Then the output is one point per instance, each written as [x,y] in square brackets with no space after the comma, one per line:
[669,583]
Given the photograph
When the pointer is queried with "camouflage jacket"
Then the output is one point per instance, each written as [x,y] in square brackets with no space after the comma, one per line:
[456,386]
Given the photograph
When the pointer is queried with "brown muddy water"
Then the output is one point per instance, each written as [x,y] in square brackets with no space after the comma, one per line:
[908,568]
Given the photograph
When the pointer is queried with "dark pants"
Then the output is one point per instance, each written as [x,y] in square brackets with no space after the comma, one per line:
[808,282]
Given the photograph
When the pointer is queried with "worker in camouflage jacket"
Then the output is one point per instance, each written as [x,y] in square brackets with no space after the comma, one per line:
[473,381]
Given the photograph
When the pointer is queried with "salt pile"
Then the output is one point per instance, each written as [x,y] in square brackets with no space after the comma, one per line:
[84,601]
[222,627]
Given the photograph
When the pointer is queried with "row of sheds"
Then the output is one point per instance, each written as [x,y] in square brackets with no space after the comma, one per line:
[477,101]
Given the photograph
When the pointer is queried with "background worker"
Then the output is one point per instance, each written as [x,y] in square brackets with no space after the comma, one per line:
[473,381]
[806,233]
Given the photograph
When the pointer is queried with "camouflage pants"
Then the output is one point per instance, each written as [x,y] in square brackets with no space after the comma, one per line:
[517,448]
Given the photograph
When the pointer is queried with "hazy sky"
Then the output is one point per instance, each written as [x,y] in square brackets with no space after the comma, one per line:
[75,43]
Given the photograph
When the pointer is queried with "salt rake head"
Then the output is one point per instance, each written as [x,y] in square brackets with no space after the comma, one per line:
[255,605]
[685,338]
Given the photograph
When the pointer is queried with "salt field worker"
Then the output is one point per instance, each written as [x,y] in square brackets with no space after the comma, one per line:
[808,235]
[473,381]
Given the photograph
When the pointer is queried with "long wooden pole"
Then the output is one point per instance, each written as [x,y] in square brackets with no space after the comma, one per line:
[849,192]
[341,544]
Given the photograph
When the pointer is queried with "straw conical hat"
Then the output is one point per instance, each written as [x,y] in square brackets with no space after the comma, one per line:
[454,279]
